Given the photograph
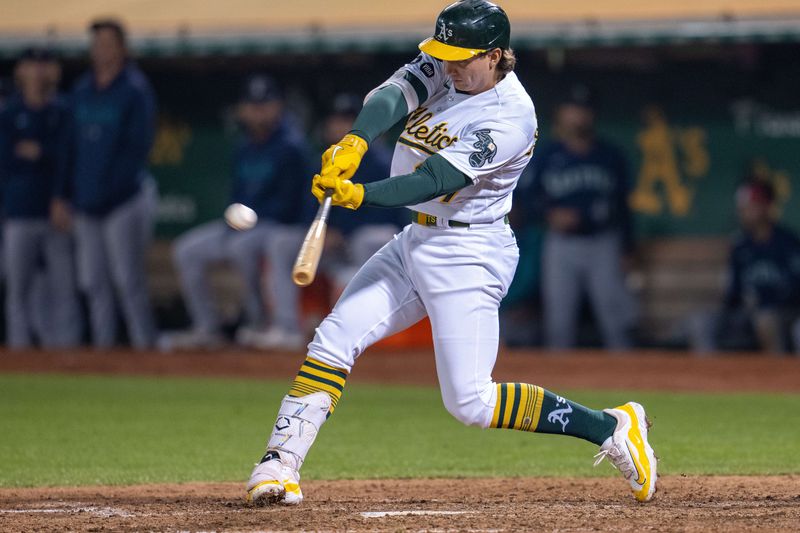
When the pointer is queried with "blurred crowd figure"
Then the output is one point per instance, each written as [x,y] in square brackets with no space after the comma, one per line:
[105,189]
[577,188]
[41,298]
[761,306]
[271,174]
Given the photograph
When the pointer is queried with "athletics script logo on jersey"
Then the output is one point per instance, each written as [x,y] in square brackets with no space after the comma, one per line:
[486,149]
[560,415]
[433,138]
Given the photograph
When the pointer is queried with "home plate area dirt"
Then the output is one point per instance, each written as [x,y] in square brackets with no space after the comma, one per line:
[519,504]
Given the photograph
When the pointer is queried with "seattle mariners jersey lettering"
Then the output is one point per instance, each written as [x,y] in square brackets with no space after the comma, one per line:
[566,181]
[488,136]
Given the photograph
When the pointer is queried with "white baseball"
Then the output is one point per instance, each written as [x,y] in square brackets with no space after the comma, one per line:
[240,217]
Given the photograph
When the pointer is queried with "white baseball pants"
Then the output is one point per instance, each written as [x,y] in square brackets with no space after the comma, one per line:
[457,277]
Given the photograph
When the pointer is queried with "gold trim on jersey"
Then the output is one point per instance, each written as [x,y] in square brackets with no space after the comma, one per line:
[412,144]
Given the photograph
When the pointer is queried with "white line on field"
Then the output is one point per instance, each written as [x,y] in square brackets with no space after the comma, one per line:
[411,512]
[103,512]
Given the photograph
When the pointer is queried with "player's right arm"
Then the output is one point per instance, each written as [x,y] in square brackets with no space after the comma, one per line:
[384,106]
[434,178]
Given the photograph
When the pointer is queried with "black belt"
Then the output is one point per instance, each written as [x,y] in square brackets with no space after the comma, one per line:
[431,220]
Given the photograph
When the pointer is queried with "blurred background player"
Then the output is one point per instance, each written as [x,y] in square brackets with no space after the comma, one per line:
[40,279]
[763,293]
[351,238]
[107,184]
[579,188]
[270,175]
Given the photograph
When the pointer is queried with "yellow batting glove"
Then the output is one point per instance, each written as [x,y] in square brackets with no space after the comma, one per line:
[344,157]
[345,192]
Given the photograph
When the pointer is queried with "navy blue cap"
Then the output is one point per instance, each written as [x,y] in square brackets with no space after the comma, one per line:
[578,95]
[35,53]
[260,88]
[346,104]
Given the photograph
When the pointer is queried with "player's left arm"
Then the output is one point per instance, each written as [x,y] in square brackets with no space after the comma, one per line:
[408,88]
[381,111]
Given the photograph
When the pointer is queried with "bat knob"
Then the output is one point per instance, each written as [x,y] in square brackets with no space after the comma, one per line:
[302,279]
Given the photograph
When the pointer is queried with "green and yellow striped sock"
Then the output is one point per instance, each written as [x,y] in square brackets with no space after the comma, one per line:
[316,376]
[532,408]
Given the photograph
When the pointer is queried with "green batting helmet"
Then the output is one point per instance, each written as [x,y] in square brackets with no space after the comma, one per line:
[467,28]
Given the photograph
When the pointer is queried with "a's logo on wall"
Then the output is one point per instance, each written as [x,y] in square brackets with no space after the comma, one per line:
[486,149]
[444,33]
[172,137]
[671,159]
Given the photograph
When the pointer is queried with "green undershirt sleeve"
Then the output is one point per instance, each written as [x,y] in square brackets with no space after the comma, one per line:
[380,112]
[435,177]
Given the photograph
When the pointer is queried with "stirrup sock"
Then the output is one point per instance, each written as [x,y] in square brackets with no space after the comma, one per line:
[532,408]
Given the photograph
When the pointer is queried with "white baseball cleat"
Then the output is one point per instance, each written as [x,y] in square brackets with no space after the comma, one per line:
[265,486]
[291,484]
[273,482]
[630,452]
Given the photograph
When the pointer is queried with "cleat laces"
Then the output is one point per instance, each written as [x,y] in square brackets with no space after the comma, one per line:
[618,458]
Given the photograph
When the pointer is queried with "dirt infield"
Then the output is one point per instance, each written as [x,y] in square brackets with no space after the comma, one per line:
[541,504]
[546,504]
[595,370]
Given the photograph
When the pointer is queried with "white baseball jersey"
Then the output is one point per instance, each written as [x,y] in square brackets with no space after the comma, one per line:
[488,136]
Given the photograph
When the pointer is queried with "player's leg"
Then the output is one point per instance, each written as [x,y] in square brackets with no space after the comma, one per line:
[245,249]
[193,253]
[280,246]
[128,231]
[379,301]
[562,285]
[21,243]
[466,334]
[94,280]
[367,240]
[64,313]
[771,330]
[607,291]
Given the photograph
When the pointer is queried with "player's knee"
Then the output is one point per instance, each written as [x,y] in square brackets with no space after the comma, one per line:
[332,345]
[469,409]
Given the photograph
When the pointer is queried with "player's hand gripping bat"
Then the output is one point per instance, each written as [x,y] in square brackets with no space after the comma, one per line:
[305,267]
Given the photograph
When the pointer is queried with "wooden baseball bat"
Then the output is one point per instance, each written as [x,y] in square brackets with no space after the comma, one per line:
[305,266]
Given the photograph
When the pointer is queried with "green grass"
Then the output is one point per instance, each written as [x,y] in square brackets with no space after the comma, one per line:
[67,430]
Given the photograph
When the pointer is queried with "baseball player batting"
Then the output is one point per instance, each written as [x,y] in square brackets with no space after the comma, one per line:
[470,129]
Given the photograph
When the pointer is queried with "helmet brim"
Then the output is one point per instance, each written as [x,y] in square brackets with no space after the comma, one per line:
[447,52]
